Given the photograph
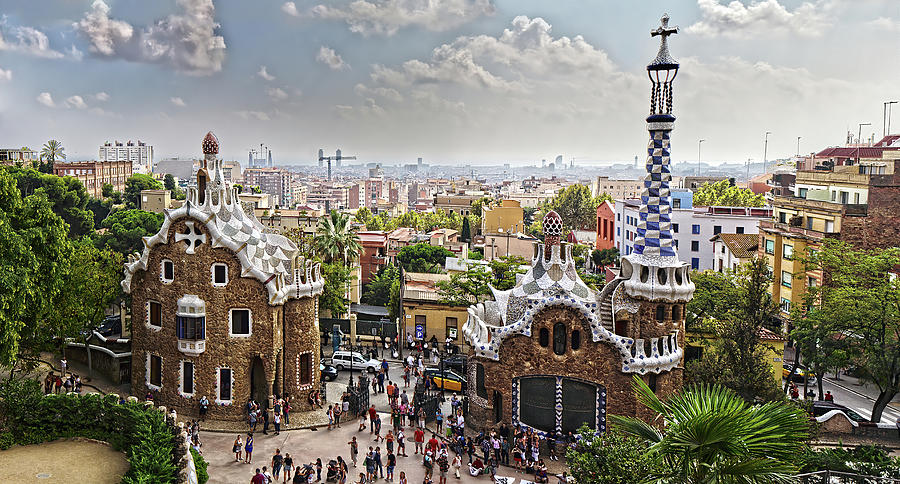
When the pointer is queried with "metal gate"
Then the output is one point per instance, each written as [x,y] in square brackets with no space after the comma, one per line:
[428,401]
[124,372]
[358,396]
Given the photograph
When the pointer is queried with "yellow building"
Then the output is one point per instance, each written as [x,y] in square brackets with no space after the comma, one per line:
[424,315]
[505,217]
[699,340]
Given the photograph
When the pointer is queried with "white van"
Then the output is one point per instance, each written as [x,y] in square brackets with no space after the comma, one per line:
[342,360]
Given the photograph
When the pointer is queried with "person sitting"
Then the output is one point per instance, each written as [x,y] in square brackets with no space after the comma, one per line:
[476,468]
[540,473]
[828,396]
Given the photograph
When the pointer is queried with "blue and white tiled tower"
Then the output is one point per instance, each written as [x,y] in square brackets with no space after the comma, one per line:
[653,270]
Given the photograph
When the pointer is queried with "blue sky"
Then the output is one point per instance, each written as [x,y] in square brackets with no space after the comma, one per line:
[452,81]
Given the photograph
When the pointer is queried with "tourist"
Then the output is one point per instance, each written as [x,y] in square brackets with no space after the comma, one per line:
[433,444]
[540,473]
[362,479]
[369,464]
[252,418]
[378,464]
[204,406]
[342,470]
[470,448]
[63,366]
[277,463]
[337,414]
[476,467]
[286,407]
[248,448]
[265,415]
[345,409]
[57,383]
[389,439]
[419,437]
[258,478]
[457,463]
[428,461]
[372,413]
[318,469]
[443,466]
[391,463]
[277,420]
[354,450]
[288,466]
[401,444]
[330,413]
[377,427]
[267,474]
[828,396]
[236,448]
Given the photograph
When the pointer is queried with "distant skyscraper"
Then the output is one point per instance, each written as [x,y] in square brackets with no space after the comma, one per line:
[270,159]
[140,154]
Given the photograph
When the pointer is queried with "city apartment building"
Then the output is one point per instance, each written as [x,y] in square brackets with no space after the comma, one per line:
[373,254]
[274,181]
[732,250]
[857,203]
[460,203]
[11,156]
[94,174]
[505,217]
[331,196]
[424,315]
[617,189]
[139,154]
[606,226]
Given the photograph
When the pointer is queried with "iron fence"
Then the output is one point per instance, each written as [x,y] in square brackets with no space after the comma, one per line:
[835,477]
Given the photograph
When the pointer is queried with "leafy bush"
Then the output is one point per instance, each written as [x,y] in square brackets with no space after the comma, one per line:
[610,458]
[200,464]
[29,417]
[868,460]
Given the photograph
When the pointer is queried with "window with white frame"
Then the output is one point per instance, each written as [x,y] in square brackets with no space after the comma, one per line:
[154,315]
[787,251]
[187,378]
[224,385]
[786,278]
[240,322]
[785,304]
[219,275]
[167,271]
[154,371]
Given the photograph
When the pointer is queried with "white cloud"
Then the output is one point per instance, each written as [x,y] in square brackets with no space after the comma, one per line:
[76,102]
[332,59]
[5,75]
[46,99]
[385,92]
[885,23]
[101,96]
[75,53]
[26,40]
[290,8]
[736,19]
[265,74]
[276,93]
[178,101]
[257,115]
[186,41]
[386,17]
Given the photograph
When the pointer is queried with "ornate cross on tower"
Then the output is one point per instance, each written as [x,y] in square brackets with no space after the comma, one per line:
[664,31]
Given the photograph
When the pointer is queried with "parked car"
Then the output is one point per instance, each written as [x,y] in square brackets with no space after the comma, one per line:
[329,373]
[820,408]
[354,361]
[799,375]
[111,325]
[457,363]
[449,379]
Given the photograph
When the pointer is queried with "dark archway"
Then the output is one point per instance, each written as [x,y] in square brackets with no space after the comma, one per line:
[258,388]
[498,406]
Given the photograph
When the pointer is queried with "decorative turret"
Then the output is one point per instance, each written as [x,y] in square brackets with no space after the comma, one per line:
[210,144]
[653,270]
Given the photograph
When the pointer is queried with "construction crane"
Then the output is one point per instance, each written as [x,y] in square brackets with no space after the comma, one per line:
[336,158]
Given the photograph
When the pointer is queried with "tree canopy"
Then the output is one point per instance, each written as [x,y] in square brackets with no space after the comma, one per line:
[126,228]
[67,197]
[576,207]
[378,291]
[471,286]
[135,184]
[423,257]
[724,193]
[334,293]
[334,239]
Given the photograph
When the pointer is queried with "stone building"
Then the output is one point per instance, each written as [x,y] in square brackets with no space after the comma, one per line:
[221,307]
[552,354]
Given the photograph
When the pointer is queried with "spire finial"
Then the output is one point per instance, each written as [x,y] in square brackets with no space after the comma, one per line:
[664,31]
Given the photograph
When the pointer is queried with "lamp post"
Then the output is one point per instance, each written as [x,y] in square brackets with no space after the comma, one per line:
[699,144]
[886,117]
[798,146]
[859,139]
[766,152]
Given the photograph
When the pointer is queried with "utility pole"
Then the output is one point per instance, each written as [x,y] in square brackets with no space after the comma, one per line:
[798,146]
[859,139]
[699,144]
[766,152]
[886,117]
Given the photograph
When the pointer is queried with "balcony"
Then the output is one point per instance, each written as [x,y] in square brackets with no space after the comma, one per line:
[192,347]
[770,225]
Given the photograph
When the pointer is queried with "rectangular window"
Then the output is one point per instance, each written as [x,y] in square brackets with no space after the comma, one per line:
[787,251]
[809,223]
[782,217]
[675,228]
[786,278]
[420,319]
[829,226]
[190,327]
[695,263]
[695,246]
[856,198]
[220,274]
[452,328]
[770,246]
[305,369]
[168,271]
[240,322]
[811,281]
[155,370]
[786,305]
[717,229]
[154,316]
[695,229]
[676,203]
[739,230]
[676,243]
[224,384]
[187,377]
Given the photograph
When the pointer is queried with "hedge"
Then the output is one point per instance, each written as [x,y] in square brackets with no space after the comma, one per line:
[153,447]
[200,464]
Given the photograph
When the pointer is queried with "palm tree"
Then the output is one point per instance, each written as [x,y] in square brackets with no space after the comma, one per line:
[708,434]
[335,240]
[52,150]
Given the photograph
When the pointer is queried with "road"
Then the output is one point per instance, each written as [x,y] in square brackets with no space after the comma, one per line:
[859,397]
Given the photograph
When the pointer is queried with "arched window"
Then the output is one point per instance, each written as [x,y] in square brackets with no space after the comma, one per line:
[544,337]
[559,338]
[676,312]
[660,313]
[576,339]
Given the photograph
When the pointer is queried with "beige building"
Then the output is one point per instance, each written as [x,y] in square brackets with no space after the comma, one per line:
[617,189]
[460,203]
[502,218]
[94,174]
[733,250]
[424,315]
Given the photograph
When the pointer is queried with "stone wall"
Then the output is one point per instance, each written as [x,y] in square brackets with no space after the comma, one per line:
[193,276]
[301,336]
[880,228]
[595,362]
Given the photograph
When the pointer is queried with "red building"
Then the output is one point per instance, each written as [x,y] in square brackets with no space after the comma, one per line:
[372,256]
[606,223]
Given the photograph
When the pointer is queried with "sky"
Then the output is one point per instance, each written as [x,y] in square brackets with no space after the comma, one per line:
[452,81]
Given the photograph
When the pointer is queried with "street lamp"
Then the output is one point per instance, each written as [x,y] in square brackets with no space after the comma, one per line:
[699,143]
[887,114]
[859,139]
[798,146]
[766,152]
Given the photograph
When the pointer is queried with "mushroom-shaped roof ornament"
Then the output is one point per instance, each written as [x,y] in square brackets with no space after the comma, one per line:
[210,144]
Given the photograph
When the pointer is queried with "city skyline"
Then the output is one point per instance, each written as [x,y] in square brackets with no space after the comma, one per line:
[476,81]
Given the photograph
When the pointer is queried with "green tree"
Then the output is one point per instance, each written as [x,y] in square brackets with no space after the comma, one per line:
[423,257]
[394,305]
[859,303]
[365,217]
[473,285]
[738,356]
[478,205]
[51,150]
[576,207]
[466,234]
[724,193]
[708,434]
[306,243]
[125,230]
[378,291]
[334,293]
[135,184]
[169,182]
[107,190]
[604,258]
[35,255]
[335,241]
[610,458]
[66,195]
[504,270]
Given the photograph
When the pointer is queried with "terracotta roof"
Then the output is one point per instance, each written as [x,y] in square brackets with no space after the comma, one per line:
[767,335]
[861,152]
[742,246]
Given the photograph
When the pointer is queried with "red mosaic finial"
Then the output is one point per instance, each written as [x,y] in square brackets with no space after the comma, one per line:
[210,144]
[552,225]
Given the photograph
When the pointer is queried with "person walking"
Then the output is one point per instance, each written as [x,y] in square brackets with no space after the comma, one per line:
[354,449]
[330,413]
[391,463]
[402,478]
[457,463]
[277,463]
[288,466]
[265,414]
[236,448]
[401,444]
[277,421]
[337,414]
[248,448]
